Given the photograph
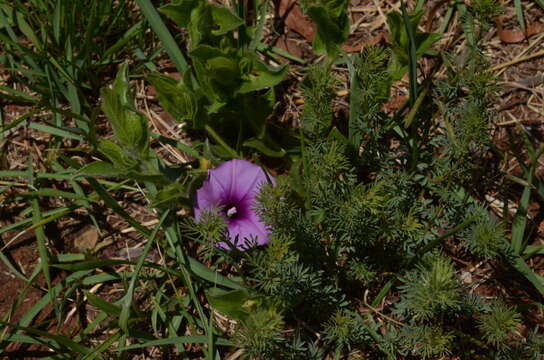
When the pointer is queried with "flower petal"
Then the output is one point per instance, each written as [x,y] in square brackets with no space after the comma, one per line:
[237,178]
[242,233]
[210,195]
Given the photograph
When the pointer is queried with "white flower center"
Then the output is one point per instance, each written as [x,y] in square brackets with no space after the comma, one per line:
[232,211]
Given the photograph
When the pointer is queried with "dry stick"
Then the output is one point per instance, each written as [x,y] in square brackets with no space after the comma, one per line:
[517,60]
[365,302]
[520,58]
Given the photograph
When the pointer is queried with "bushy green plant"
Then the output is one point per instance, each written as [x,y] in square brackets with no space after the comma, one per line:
[228,91]
[499,324]
[364,216]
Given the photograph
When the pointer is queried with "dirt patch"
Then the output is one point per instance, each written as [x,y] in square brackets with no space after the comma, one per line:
[24,256]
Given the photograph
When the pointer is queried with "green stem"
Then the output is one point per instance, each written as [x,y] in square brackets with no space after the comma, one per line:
[221,142]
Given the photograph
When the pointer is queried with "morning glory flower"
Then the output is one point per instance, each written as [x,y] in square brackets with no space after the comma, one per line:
[232,188]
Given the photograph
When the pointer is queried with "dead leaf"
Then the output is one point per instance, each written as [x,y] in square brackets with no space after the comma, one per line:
[512,36]
[296,20]
[394,103]
[466,277]
[87,239]
[292,46]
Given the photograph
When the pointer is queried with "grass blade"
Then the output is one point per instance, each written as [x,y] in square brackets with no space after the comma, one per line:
[164,35]
[520,265]
[519,14]
[127,302]
[519,222]
[411,53]
[196,339]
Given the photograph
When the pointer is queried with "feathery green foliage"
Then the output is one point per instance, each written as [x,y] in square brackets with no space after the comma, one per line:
[429,290]
[364,217]
[499,324]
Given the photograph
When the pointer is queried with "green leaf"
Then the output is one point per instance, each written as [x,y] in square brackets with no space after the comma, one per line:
[255,110]
[201,24]
[155,177]
[230,303]
[171,195]
[100,168]
[116,155]
[163,34]
[179,11]
[519,222]
[401,41]
[268,150]
[105,306]
[520,265]
[412,53]
[224,20]
[178,100]
[129,126]
[332,27]
[217,70]
[59,341]
[260,76]
[128,298]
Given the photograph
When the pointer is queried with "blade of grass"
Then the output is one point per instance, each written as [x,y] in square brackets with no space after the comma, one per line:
[127,301]
[519,222]
[520,265]
[519,14]
[58,340]
[17,95]
[102,347]
[531,250]
[164,35]
[105,306]
[412,54]
[196,339]
[44,255]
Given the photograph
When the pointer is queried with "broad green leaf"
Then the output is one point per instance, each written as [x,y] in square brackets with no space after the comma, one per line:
[230,303]
[260,76]
[116,155]
[401,43]
[201,24]
[332,26]
[100,168]
[129,126]
[179,11]
[255,110]
[121,87]
[177,99]
[217,70]
[224,20]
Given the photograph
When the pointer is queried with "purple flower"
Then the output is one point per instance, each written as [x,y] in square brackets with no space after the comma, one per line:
[232,187]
